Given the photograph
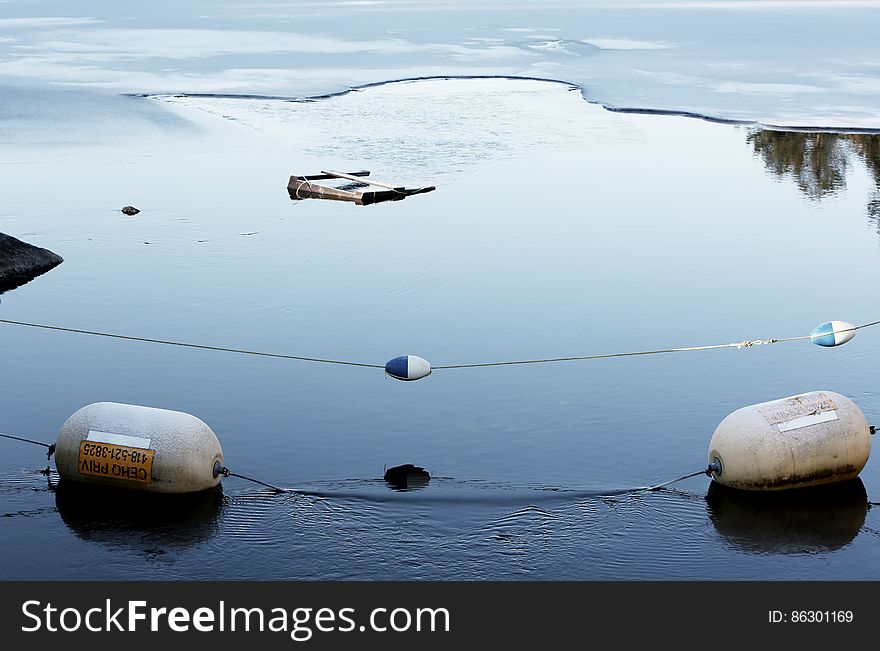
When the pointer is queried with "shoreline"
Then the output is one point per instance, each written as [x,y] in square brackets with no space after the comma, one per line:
[759,124]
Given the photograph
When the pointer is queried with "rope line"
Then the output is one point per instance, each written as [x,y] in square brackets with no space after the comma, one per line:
[299,187]
[20,438]
[190,345]
[50,449]
[228,473]
[707,471]
[546,360]
[738,345]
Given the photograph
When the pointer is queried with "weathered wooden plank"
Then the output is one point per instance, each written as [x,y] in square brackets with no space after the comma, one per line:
[324,176]
[352,177]
[379,196]
[299,189]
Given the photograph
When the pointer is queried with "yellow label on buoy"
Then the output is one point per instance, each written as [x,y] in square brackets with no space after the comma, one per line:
[116,461]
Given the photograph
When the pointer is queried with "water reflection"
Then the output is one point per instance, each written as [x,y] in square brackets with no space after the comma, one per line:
[802,521]
[143,522]
[819,161]
[407,477]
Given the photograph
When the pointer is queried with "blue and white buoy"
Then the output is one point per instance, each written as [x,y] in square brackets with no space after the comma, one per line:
[408,368]
[832,333]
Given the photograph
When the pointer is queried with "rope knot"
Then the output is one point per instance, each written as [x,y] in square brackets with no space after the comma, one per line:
[755,342]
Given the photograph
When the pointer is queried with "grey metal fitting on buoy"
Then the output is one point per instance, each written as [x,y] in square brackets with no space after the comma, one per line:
[805,440]
[138,448]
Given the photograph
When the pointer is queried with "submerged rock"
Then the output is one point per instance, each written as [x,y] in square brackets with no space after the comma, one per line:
[130,210]
[21,262]
[407,477]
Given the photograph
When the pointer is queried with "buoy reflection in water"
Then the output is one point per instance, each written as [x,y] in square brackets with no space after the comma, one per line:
[145,522]
[801,521]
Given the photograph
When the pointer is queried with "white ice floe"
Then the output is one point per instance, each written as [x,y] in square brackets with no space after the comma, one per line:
[734,60]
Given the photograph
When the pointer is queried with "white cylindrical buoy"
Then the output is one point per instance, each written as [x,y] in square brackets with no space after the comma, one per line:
[408,367]
[138,448]
[832,333]
[805,440]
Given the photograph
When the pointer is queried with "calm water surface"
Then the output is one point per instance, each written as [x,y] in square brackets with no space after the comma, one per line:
[557,229]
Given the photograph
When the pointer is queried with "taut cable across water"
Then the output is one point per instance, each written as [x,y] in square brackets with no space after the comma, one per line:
[410,367]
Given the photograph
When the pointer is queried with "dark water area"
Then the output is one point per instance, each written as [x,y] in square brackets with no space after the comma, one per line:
[557,229]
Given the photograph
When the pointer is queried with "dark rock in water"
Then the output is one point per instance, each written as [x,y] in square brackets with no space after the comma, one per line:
[21,262]
[130,210]
[407,477]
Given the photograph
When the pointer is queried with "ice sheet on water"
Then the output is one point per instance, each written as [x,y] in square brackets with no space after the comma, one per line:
[784,62]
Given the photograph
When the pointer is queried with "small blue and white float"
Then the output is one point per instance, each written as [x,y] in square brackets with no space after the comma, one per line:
[832,333]
[408,368]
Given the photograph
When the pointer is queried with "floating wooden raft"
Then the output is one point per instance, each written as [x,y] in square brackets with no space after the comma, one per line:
[301,187]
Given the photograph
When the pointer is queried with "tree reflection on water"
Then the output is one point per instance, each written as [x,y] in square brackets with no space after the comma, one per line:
[818,162]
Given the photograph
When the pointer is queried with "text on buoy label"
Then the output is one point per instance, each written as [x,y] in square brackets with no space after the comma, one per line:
[800,411]
[116,461]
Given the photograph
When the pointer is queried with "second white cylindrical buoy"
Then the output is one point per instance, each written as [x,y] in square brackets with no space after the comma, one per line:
[138,448]
[805,440]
